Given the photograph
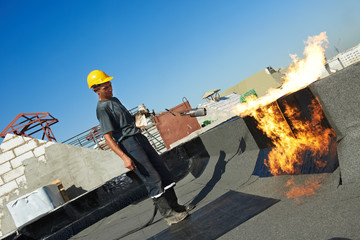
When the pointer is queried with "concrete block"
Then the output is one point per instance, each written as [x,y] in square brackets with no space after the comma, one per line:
[39,151]
[340,98]
[48,144]
[35,204]
[349,157]
[42,158]
[41,142]
[3,200]
[13,174]
[21,181]
[11,143]
[5,168]
[6,156]
[16,162]
[25,148]
[8,188]
[9,136]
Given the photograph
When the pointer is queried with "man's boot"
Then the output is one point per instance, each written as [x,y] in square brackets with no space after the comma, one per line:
[170,195]
[169,214]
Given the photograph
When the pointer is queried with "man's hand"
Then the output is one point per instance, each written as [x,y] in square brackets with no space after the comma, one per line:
[113,145]
[128,163]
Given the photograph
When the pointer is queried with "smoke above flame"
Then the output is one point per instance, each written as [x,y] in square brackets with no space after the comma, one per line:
[291,135]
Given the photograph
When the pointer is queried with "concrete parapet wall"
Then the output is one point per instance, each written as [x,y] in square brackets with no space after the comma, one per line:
[27,164]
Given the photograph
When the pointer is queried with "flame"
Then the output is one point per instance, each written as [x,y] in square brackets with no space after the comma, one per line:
[290,143]
[301,73]
[299,190]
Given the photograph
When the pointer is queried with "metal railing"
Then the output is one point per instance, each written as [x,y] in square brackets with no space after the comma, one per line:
[153,135]
[93,137]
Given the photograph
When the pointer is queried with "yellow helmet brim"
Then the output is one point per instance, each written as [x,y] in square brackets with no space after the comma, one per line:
[97,77]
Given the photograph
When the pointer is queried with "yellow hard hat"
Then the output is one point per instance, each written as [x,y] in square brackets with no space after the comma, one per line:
[97,77]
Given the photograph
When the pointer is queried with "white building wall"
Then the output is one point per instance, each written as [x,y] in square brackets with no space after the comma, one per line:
[13,151]
[344,59]
[350,56]
[335,65]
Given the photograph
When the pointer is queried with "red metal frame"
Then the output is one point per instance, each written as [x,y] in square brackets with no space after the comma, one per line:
[24,123]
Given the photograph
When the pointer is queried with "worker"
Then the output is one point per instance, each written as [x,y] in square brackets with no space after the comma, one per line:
[125,139]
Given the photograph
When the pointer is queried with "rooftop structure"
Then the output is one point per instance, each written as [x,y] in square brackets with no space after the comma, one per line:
[27,124]
[260,82]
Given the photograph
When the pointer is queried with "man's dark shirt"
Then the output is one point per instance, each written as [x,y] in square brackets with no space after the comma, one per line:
[115,118]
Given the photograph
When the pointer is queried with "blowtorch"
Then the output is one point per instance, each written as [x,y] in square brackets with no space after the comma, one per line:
[195,112]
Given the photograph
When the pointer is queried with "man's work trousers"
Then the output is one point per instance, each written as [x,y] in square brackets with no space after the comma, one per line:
[149,167]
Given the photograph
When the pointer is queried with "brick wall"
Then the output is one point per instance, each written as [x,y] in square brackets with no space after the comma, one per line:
[13,151]
[27,164]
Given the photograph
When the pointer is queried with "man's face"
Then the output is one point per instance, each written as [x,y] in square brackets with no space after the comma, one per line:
[105,91]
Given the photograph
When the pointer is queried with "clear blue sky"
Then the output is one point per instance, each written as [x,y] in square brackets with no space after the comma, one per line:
[158,51]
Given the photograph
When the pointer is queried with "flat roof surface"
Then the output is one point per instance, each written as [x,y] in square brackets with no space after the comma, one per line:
[230,206]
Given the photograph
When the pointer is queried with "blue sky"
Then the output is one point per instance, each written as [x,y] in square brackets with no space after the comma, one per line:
[158,51]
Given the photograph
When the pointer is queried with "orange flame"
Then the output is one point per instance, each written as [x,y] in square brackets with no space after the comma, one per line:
[301,74]
[291,143]
[299,190]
